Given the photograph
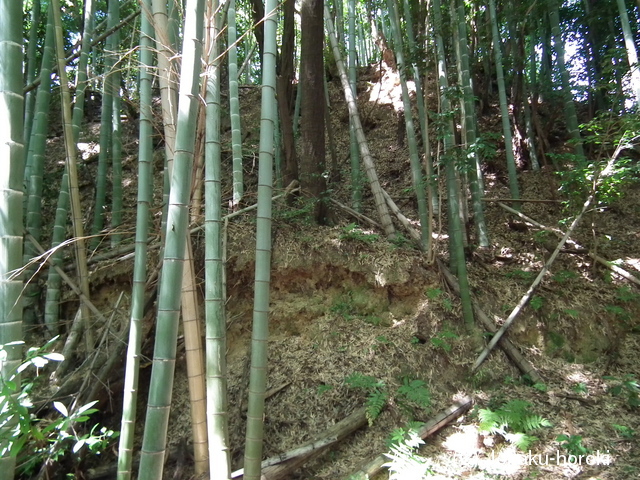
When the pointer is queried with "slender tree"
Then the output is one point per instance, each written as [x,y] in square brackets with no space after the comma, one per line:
[632,54]
[160,392]
[456,250]
[414,158]
[260,331]
[365,154]
[145,167]
[569,105]
[11,226]
[504,108]
[312,144]
[216,328]
[234,106]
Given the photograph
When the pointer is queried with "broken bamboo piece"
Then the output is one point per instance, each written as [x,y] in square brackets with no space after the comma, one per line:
[509,348]
[527,296]
[331,436]
[602,261]
[460,407]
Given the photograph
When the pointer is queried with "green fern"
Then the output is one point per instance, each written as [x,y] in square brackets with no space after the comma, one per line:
[415,391]
[377,394]
[404,463]
[515,417]
[376,402]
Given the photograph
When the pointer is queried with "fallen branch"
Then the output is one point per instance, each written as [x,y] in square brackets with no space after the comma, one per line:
[509,348]
[579,249]
[355,214]
[527,296]
[314,448]
[403,220]
[369,469]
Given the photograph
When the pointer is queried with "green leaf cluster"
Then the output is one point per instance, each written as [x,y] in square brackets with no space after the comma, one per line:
[32,440]
[514,421]
[404,463]
[627,387]
[377,395]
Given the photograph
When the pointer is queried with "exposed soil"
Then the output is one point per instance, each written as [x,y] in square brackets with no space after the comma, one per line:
[346,301]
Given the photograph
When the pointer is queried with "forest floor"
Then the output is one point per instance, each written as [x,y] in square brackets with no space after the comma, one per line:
[349,308]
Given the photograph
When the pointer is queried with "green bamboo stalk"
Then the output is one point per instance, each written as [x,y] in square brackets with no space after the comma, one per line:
[365,154]
[569,105]
[215,321]
[30,97]
[54,281]
[260,333]
[106,128]
[356,174]
[632,53]
[164,357]
[11,227]
[504,108]
[34,173]
[116,133]
[74,190]
[234,107]
[456,252]
[145,196]
[414,157]
[469,122]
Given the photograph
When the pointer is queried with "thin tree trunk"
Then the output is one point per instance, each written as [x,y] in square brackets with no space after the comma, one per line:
[260,332]
[215,321]
[163,368]
[381,205]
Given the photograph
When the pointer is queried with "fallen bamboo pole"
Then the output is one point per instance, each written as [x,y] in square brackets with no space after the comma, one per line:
[527,296]
[610,265]
[509,348]
[374,466]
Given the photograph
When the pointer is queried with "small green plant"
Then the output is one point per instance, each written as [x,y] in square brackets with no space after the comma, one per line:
[626,387]
[324,388]
[344,307]
[619,312]
[625,432]
[572,313]
[354,233]
[404,463]
[413,392]
[514,421]
[580,388]
[573,445]
[541,387]
[32,440]
[563,276]
[433,293]
[377,395]
[626,294]
[440,340]
[536,303]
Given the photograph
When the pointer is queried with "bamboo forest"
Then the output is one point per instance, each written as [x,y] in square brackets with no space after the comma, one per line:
[350,240]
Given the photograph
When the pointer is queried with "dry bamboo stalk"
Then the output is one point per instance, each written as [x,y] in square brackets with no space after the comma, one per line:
[331,436]
[509,348]
[527,296]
